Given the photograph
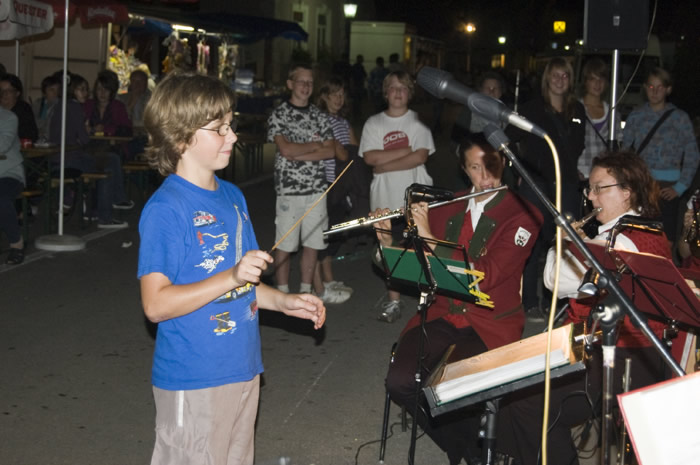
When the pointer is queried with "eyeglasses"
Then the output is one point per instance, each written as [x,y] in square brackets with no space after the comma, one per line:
[596,189]
[224,128]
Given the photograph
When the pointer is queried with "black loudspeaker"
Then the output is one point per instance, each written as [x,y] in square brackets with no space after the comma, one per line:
[616,24]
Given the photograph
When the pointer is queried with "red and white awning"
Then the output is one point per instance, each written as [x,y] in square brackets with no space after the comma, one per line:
[91,12]
[22,18]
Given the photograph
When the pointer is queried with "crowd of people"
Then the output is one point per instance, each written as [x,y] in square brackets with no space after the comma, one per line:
[507,235]
[40,123]
[200,276]
[643,171]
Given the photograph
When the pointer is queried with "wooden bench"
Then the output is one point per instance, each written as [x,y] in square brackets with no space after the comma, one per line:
[87,180]
[24,196]
[139,171]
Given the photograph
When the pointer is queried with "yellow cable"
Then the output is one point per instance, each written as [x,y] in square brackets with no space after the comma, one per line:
[553,307]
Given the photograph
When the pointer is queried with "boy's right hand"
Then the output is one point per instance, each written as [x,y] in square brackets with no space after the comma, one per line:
[250,268]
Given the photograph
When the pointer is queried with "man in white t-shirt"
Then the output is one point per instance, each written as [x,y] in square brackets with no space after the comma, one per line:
[396,145]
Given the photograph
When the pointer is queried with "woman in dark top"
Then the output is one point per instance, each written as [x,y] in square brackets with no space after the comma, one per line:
[105,114]
[11,90]
[563,118]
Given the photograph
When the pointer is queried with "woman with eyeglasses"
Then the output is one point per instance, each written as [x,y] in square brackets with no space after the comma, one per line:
[620,184]
[11,98]
[562,116]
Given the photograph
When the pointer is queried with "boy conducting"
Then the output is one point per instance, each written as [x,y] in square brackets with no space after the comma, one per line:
[200,280]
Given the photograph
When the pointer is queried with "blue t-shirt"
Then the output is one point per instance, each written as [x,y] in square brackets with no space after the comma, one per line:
[188,234]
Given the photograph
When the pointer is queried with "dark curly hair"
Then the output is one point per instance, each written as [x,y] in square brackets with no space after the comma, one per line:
[632,173]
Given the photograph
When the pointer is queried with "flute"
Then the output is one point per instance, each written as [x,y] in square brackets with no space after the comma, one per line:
[367,220]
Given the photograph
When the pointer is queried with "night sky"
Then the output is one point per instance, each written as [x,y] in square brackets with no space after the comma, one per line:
[524,19]
[527,24]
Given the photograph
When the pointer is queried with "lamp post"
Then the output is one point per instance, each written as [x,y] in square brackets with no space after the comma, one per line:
[349,10]
[469,28]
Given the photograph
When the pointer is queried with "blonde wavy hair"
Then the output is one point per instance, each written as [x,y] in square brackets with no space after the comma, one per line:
[181,104]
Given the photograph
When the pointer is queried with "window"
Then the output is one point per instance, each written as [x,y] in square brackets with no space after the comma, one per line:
[321,37]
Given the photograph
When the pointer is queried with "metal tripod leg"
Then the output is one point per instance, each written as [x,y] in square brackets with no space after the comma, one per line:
[387,407]
[488,432]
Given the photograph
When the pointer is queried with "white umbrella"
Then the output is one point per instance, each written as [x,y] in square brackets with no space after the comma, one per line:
[22,18]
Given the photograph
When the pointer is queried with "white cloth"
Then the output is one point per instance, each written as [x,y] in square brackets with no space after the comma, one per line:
[477,208]
[593,144]
[383,132]
[571,271]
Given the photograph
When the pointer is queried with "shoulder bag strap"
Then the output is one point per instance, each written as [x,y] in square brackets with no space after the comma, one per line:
[605,142]
[658,124]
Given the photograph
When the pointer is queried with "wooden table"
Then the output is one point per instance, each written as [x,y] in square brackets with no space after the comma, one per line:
[37,161]
[113,140]
[251,146]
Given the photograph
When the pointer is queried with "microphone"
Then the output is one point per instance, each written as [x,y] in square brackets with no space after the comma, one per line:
[441,84]
[421,192]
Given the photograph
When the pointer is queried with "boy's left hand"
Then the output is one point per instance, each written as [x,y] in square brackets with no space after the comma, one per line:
[306,306]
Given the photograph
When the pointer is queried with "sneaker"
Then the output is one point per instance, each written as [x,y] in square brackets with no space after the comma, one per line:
[338,285]
[126,205]
[534,315]
[90,218]
[391,311]
[113,224]
[334,296]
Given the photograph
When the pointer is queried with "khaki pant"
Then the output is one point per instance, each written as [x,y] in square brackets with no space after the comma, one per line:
[213,426]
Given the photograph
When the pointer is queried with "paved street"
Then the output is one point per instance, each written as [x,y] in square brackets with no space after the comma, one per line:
[75,352]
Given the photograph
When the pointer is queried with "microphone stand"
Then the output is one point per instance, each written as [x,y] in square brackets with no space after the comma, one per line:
[617,303]
[427,297]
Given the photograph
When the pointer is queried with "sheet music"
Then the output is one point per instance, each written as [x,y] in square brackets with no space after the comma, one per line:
[448,391]
[662,421]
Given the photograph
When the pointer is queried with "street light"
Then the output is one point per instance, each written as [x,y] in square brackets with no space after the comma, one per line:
[469,28]
[349,10]
[502,40]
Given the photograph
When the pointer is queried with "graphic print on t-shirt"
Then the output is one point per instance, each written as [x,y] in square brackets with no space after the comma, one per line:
[213,242]
[224,322]
[395,140]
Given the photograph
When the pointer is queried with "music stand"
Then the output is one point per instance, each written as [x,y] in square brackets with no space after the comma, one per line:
[489,376]
[503,370]
[434,275]
[657,290]
[653,283]
[666,294]
[454,277]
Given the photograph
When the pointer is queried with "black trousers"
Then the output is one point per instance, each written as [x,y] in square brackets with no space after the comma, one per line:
[455,432]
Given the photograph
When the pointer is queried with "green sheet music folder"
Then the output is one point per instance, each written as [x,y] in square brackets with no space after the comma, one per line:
[451,275]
